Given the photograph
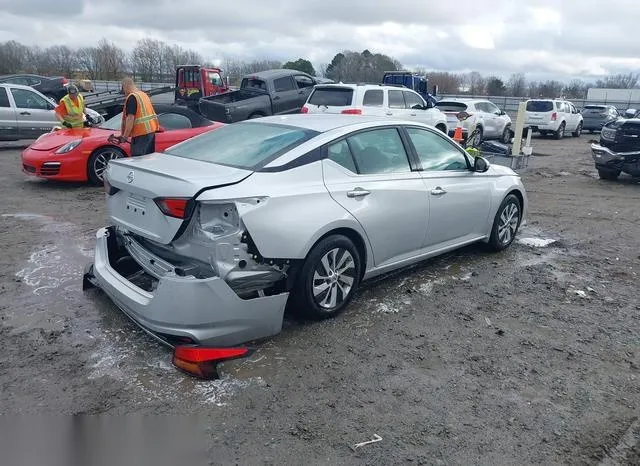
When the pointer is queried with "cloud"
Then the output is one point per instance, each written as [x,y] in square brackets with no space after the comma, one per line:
[544,38]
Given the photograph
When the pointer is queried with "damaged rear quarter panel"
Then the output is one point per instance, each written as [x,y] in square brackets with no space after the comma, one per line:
[298,210]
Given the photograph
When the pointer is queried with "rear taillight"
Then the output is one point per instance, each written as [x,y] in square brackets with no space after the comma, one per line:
[352,111]
[554,116]
[464,115]
[65,81]
[304,110]
[173,207]
[203,362]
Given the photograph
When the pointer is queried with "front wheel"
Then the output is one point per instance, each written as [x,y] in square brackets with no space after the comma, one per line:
[506,223]
[506,135]
[578,131]
[328,279]
[98,162]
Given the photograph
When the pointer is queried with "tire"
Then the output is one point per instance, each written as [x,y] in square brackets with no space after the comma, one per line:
[560,133]
[506,135]
[100,158]
[505,226]
[578,131]
[442,128]
[316,304]
[608,174]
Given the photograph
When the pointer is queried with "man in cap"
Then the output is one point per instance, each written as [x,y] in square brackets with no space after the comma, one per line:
[71,110]
[139,120]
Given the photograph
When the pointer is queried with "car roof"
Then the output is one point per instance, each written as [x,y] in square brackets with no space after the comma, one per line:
[462,100]
[273,74]
[323,123]
[365,86]
[18,86]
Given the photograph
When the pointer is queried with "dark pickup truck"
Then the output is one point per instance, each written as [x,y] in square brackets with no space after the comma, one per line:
[272,92]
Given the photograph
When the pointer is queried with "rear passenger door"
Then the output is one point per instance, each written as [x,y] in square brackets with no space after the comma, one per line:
[285,99]
[373,102]
[396,106]
[370,175]
[304,84]
[8,118]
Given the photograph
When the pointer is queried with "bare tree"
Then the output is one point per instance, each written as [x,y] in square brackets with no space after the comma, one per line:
[89,61]
[576,89]
[517,85]
[14,57]
[619,81]
[477,83]
[147,59]
[110,59]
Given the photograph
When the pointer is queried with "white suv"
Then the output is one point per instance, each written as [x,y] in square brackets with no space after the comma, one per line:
[553,116]
[491,122]
[374,100]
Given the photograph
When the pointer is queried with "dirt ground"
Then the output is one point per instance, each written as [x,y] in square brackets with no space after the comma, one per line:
[531,356]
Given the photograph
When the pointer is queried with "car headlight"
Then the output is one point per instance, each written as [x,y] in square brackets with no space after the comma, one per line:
[69,146]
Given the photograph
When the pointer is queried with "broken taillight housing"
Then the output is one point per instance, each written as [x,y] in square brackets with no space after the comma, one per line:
[554,116]
[202,362]
[177,207]
[463,116]
[304,110]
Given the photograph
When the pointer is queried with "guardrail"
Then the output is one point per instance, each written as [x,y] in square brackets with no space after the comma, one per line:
[510,104]
[103,86]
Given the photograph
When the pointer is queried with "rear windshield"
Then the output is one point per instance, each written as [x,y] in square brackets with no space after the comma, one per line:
[332,96]
[242,145]
[595,107]
[451,106]
[253,83]
[539,106]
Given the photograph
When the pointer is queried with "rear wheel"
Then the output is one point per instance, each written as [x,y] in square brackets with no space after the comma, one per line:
[442,128]
[506,223]
[99,160]
[476,137]
[578,131]
[560,133]
[608,174]
[328,279]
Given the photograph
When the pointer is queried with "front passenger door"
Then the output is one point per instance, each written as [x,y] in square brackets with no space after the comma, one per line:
[370,176]
[34,113]
[460,199]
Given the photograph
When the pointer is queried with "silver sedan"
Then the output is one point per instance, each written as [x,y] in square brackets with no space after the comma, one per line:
[209,242]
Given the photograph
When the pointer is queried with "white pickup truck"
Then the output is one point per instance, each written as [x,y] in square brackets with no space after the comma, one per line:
[374,100]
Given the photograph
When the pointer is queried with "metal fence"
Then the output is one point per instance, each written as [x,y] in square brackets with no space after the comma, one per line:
[510,104]
[101,86]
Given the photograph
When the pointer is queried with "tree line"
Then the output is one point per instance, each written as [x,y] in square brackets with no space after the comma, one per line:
[154,60]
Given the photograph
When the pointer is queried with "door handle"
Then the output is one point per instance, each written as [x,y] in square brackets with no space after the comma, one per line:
[358,192]
[388,113]
[25,113]
[438,191]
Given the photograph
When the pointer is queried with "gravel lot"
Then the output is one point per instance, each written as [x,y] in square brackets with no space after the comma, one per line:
[528,356]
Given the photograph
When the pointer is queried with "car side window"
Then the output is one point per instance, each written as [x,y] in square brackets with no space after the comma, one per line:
[174,121]
[373,98]
[303,81]
[28,99]
[413,100]
[283,84]
[340,154]
[435,152]
[492,108]
[396,99]
[4,98]
[379,151]
[33,81]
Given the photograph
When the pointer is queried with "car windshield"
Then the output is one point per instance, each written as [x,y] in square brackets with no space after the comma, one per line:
[595,107]
[451,106]
[331,96]
[113,123]
[539,106]
[246,145]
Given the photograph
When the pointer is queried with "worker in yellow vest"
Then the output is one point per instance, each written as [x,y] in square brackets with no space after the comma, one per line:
[71,110]
[139,120]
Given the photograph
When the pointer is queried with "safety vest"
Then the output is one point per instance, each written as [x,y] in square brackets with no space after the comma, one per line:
[146,120]
[75,111]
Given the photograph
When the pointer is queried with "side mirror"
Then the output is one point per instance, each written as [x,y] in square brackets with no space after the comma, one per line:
[480,164]
[502,113]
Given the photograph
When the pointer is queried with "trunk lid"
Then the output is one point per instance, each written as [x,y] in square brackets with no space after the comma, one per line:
[140,180]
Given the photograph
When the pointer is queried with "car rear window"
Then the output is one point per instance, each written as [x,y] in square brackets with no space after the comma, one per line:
[253,83]
[246,145]
[451,106]
[4,98]
[595,107]
[332,96]
[539,106]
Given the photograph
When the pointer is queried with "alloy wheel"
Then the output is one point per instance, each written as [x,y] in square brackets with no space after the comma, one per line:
[334,278]
[102,160]
[509,219]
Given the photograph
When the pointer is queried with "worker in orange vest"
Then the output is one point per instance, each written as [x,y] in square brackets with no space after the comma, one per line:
[71,110]
[139,120]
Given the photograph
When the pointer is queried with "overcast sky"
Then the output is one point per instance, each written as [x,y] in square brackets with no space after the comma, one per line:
[543,38]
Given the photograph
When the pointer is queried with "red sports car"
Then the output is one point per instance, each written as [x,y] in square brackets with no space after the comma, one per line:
[82,154]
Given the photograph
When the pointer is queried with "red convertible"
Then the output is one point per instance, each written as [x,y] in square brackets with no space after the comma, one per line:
[82,154]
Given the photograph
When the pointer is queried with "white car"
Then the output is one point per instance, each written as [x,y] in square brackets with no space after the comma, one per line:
[484,115]
[374,100]
[553,116]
